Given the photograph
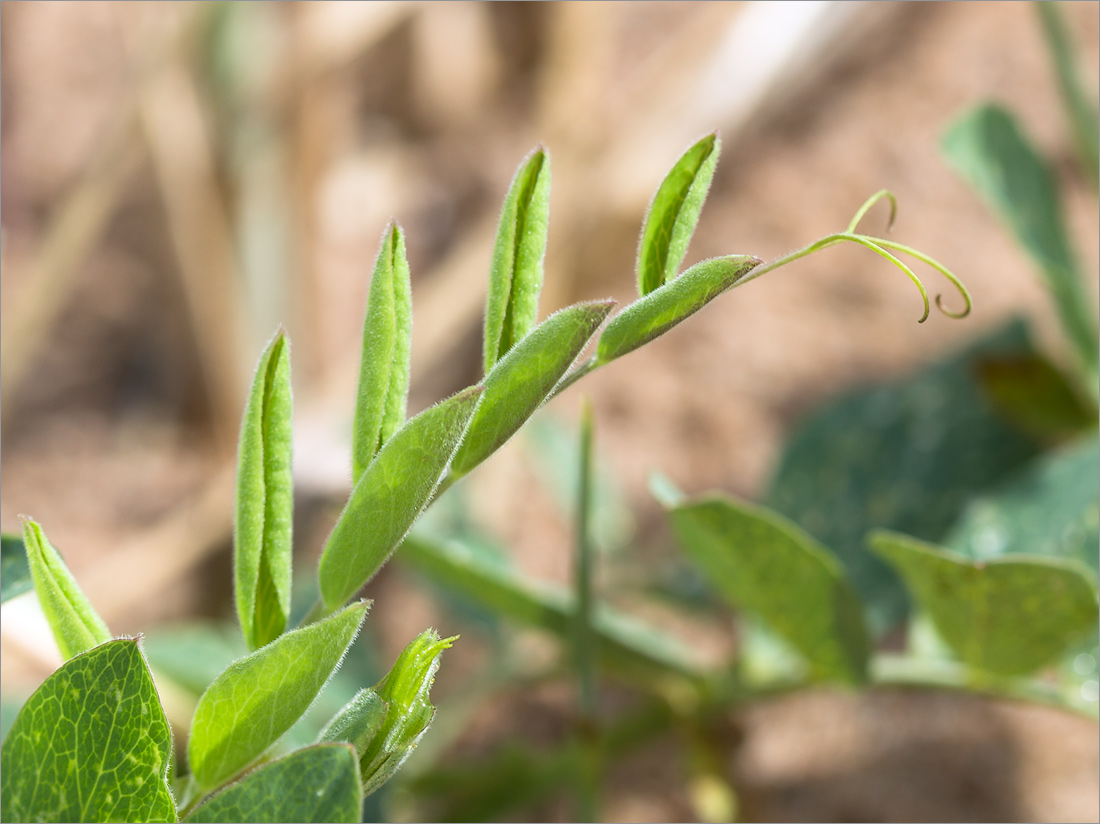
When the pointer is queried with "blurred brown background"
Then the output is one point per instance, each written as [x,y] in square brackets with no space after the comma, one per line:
[179,179]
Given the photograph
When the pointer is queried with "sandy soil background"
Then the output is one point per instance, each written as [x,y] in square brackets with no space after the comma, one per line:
[154,236]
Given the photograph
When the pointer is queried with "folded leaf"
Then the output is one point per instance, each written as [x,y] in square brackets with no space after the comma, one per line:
[989,152]
[76,625]
[759,561]
[673,213]
[265,500]
[525,377]
[314,784]
[384,366]
[624,644]
[15,572]
[515,278]
[1009,616]
[653,315]
[393,490]
[404,693]
[259,697]
[91,744]
[358,721]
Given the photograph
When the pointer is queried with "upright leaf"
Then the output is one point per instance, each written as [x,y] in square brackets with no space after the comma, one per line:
[989,152]
[258,697]
[91,744]
[76,625]
[515,278]
[404,693]
[358,721]
[265,500]
[313,784]
[673,213]
[761,562]
[1008,616]
[525,377]
[392,491]
[653,315]
[384,366]
[15,572]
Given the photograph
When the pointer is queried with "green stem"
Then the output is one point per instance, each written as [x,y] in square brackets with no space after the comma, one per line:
[583,634]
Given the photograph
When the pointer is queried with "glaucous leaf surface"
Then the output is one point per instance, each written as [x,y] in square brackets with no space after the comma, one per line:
[15,572]
[389,496]
[761,562]
[91,744]
[515,278]
[259,697]
[673,213]
[1008,616]
[264,516]
[76,625]
[988,150]
[525,377]
[624,644]
[651,316]
[385,362]
[313,784]
[904,455]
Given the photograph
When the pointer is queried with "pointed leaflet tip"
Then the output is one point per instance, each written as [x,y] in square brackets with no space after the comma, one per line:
[515,277]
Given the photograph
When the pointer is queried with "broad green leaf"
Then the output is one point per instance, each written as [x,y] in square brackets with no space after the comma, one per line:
[673,213]
[393,490]
[624,644]
[1034,395]
[314,784]
[990,153]
[515,278]
[761,562]
[1080,111]
[404,695]
[76,625]
[15,572]
[384,365]
[1048,508]
[91,744]
[258,697]
[904,455]
[653,315]
[1009,616]
[525,377]
[265,500]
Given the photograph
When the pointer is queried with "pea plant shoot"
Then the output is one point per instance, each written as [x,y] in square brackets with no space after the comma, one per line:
[93,742]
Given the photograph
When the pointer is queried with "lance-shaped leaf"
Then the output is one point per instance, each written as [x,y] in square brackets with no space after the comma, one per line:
[259,697]
[313,784]
[403,694]
[1009,615]
[989,152]
[673,213]
[15,572]
[265,500]
[525,377]
[759,561]
[653,315]
[76,626]
[393,490]
[515,278]
[91,744]
[384,367]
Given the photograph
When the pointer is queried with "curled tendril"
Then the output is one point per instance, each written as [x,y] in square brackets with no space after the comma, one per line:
[866,207]
[879,246]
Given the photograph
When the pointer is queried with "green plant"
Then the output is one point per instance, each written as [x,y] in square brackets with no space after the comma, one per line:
[93,742]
